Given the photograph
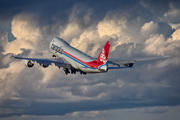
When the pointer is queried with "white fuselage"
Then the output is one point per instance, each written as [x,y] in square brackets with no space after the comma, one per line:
[76,58]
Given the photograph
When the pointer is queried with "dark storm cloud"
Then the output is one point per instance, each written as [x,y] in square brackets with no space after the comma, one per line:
[46,9]
[64,108]
[49,8]
[10,8]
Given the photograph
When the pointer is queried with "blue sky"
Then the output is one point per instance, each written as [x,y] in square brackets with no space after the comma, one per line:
[135,28]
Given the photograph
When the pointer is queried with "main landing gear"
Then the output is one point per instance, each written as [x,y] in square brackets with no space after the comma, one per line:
[73,71]
[66,71]
[81,72]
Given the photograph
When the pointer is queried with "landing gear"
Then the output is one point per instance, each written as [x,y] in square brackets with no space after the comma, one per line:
[66,71]
[73,71]
[81,72]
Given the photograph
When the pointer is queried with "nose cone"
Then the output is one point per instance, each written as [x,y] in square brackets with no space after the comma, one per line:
[103,68]
[60,41]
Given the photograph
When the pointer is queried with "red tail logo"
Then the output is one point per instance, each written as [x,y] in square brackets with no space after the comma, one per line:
[103,56]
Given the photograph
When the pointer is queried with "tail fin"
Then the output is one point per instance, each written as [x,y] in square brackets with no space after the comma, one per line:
[103,56]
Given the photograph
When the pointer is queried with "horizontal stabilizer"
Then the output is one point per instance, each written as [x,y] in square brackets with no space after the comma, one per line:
[118,67]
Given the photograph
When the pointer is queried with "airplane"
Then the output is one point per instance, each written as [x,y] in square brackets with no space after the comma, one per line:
[73,60]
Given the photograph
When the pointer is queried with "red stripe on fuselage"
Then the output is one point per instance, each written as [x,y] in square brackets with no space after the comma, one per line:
[93,64]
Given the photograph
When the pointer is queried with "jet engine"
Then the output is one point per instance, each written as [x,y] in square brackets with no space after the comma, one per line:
[129,64]
[28,63]
[44,65]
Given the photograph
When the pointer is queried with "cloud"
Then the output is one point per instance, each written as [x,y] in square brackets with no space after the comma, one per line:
[156,44]
[87,114]
[3,38]
[172,14]
[26,33]
[4,59]
[134,31]
[157,110]
[176,35]
[149,28]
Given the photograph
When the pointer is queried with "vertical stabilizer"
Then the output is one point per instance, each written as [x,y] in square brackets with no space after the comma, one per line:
[103,56]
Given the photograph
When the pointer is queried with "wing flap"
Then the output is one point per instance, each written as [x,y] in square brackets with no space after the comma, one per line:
[56,61]
[110,68]
[63,65]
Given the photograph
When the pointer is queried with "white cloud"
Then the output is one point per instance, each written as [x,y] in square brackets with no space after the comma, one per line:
[110,27]
[94,113]
[156,44]
[174,26]
[149,28]
[176,35]
[72,30]
[87,114]
[3,38]
[24,28]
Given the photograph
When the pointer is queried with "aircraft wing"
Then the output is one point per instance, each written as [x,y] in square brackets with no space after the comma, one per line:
[117,61]
[57,61]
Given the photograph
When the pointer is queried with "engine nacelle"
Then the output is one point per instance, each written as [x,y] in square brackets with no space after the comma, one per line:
[129,64]
[44,65]
[28,63]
